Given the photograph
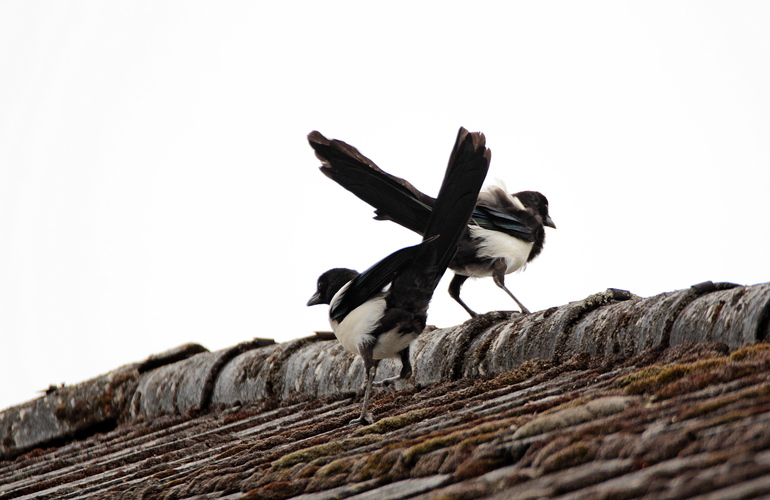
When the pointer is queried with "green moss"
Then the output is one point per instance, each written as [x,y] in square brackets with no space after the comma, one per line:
[389,424]
[643,374]
[333,448]
[526,370]
[751,352]
[277,490]
[674,379]
[477,467]
[305,471]
[413,454]
[474,441]
[463,439]
[378,464]
[653,378]
[699,380]
[571,456]
[339,466]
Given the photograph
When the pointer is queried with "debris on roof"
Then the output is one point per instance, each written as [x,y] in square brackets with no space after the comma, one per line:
[614,396]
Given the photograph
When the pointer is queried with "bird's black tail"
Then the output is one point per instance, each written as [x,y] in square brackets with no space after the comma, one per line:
[393,198]
[464,176]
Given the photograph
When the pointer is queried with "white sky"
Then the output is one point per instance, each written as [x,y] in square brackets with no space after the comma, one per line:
[156,186]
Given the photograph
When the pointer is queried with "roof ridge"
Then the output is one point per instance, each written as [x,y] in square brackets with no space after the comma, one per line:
[190,379]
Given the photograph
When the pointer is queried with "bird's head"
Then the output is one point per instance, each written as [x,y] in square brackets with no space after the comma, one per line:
[329,283]
[538,203]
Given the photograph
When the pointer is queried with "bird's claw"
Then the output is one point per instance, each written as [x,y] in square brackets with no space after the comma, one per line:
[387,382]
[366,419]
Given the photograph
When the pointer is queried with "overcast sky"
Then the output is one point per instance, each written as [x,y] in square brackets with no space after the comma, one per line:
[156,186]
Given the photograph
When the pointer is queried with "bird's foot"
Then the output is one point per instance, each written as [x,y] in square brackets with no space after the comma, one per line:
[511,313]
[387,382]
[364,419]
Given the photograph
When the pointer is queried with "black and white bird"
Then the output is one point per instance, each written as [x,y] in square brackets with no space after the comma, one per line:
[378,313]
[505,232]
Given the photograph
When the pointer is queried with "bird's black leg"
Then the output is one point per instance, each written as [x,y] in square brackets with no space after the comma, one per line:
[406,369]
[370,366]
[406,364]
[499,277]
[454,292]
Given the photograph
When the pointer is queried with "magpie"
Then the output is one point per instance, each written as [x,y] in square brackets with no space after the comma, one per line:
[506,231]
[378,313]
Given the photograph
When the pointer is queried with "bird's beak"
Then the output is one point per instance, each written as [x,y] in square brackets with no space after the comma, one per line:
[315,299]
[549,222]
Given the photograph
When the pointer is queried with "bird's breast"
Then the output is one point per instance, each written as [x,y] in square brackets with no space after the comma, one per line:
[357,327]
[496,245]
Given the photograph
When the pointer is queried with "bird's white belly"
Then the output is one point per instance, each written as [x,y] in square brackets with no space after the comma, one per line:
[354,330]
[495,245]
[391,343]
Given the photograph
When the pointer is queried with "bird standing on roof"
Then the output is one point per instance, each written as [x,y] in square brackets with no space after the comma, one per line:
[506,231]
[378,313]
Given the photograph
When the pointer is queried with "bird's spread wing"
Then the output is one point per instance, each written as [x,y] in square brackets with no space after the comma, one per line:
[392,197]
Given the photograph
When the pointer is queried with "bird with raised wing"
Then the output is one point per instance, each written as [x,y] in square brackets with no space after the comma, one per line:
[378,313]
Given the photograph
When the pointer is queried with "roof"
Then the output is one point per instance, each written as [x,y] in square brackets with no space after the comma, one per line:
[613,396]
